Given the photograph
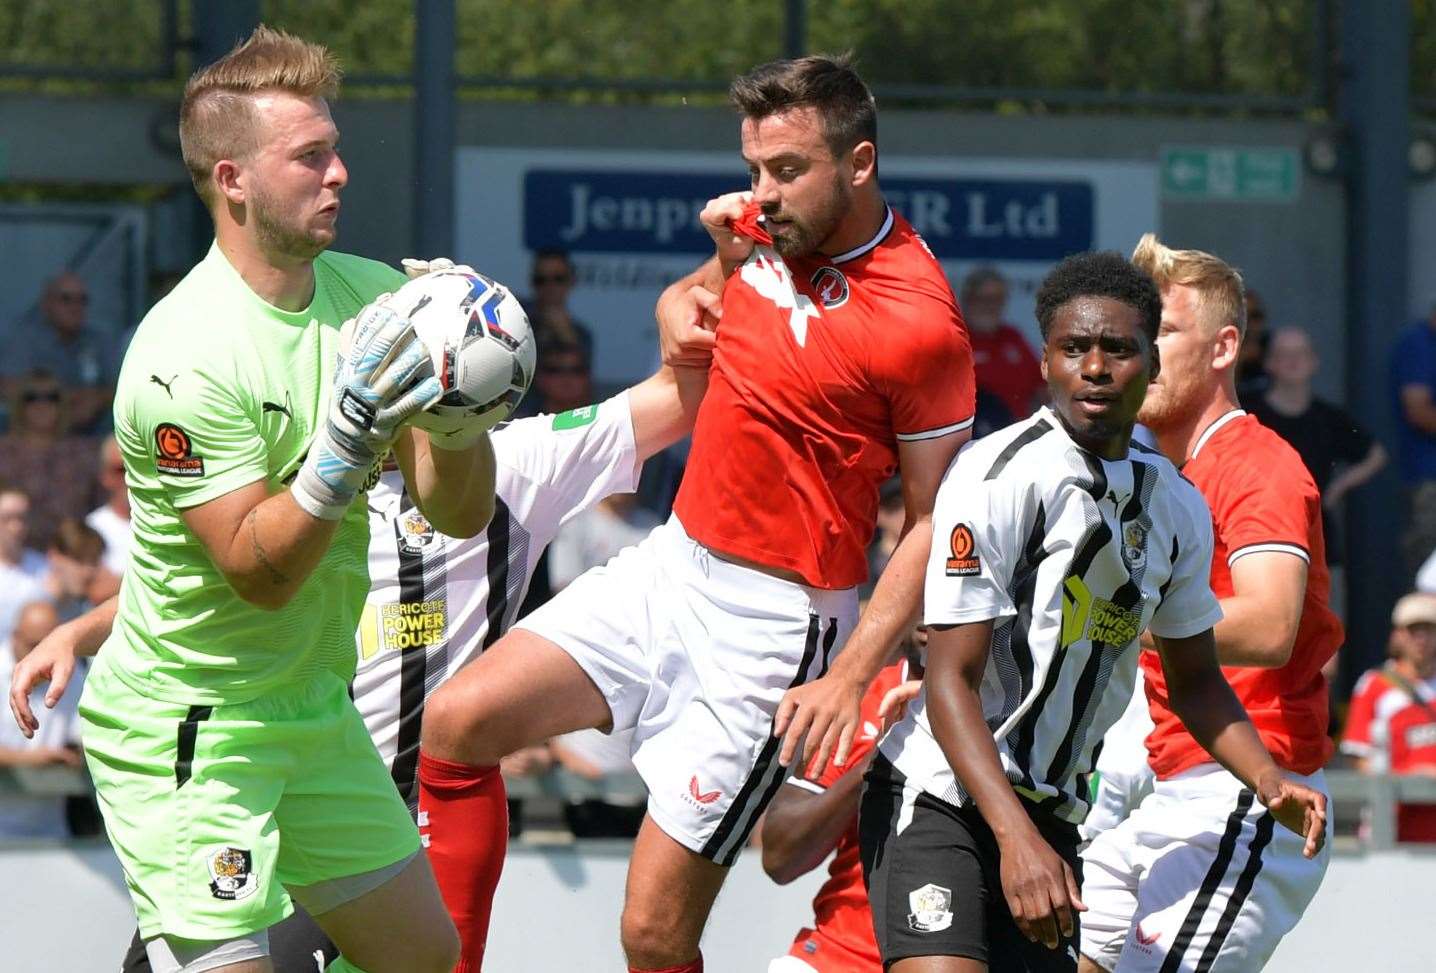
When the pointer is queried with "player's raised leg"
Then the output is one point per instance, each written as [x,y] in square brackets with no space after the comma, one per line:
[523,690]
[670,893]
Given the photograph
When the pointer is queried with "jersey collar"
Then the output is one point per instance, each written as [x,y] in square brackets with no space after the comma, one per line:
[1210,431]
[857,252]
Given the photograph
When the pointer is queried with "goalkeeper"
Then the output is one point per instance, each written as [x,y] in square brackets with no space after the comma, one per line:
[231,766]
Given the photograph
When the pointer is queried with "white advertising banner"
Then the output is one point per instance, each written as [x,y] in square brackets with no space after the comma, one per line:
[630,222]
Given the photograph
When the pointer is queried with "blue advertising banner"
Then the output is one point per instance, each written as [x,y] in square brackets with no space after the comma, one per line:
[627,211]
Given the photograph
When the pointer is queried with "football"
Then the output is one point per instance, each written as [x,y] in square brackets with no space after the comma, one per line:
[479,339]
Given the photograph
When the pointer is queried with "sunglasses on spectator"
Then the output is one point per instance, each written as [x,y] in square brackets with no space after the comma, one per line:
[35,395]
[72,297]
[564,370]
[540,279]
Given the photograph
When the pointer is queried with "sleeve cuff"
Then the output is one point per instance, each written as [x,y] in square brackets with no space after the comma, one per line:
[811,786]
[1186,628]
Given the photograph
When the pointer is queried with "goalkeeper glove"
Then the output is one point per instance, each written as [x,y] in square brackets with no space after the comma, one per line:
[384,377]
[416,268]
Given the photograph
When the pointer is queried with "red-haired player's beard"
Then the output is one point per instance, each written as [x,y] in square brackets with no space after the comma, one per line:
[1172,399]
[803,234]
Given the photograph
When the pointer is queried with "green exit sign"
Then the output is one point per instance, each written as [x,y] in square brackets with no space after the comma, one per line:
[1241,175]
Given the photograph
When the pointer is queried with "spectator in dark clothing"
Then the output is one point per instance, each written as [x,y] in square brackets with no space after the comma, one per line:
[1325,436]
[1413,380]
[547,306]
[54,469]
[1005,364]
[81,357]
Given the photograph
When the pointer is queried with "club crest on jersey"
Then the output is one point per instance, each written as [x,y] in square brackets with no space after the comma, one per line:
[415,533]
[1134,544]
[931,908]
[964,561]
[831,286]
[231,873]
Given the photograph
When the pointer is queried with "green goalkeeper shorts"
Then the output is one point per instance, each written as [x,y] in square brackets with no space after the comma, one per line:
[214,810]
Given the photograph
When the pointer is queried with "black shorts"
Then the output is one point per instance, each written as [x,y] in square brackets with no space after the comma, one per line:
[936,887]
[296,945]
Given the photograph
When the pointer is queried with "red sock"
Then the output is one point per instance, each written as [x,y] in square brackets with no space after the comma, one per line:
[696,966]
[464,823]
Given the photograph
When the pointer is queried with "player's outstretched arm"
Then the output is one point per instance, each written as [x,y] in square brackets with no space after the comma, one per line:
[53,661]
[453,488]
[1260,619]
[800,828]
[828,710]
[1039,886]
[1206,705]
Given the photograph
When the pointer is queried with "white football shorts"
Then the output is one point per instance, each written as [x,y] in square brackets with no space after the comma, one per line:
[1199,878]
[693,654]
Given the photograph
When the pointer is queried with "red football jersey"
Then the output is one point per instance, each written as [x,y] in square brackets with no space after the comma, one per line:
[1007,367]
[842,938]
[1262,499]
[821,367]
[1392,723]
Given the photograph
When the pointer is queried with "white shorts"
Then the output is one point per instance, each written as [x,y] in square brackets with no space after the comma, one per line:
[1117,795]
[1199,878]
[694,653]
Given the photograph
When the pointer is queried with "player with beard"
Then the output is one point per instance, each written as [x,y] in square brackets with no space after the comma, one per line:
[840,357]
[231,766]
[1199,877]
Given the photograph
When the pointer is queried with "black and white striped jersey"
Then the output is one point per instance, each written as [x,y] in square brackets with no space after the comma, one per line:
[1073,556]
[435,602]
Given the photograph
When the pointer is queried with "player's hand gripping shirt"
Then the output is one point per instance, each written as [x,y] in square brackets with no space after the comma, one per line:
[1073,556]
[220,389]
[841,940]
[436,602]
[821,367]
[1262,499]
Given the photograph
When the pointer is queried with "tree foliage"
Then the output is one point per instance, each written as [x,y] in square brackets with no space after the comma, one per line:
[1252,47]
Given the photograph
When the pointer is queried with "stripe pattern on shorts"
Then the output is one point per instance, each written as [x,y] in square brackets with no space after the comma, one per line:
[1215,878]
[767,774]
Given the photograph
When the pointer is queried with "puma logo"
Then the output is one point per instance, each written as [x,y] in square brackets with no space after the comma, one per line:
[165,385]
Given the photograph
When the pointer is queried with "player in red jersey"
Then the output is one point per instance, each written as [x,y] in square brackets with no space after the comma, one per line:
[1199,877]
[808,820]
[841,357]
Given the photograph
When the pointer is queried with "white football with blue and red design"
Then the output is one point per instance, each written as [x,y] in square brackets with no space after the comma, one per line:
[479,339]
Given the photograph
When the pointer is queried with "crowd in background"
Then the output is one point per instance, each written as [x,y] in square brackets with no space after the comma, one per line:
[64,515]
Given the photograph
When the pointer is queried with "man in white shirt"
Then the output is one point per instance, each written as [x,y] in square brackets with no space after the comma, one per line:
[21,569]
[112,518]
[56,743]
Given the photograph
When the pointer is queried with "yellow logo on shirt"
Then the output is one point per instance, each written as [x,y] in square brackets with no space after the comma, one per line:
[402,625]
[1085,615]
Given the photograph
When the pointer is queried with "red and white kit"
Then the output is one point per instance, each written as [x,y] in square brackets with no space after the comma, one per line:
[1392,725]
[841,938]
[822,366]
[1201,877]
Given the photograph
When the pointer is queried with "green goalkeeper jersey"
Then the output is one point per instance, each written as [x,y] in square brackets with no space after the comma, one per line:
[220,389]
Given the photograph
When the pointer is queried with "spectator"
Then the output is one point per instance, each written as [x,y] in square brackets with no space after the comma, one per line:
[595,535]
[22,570]
[553,323]
[1413,375]
[55,743]
[563,381]
[68,347]
[56,470]
[112,518]
[1426,577]
[1323,434]
[1252,365]
[1005,363]
[1391,727]
[74,560]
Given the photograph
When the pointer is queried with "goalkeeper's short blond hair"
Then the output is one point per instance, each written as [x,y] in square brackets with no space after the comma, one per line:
[1221,297]
[218,119]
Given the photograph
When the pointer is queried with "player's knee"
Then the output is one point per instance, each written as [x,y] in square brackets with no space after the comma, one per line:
[652,938]
[459,727]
